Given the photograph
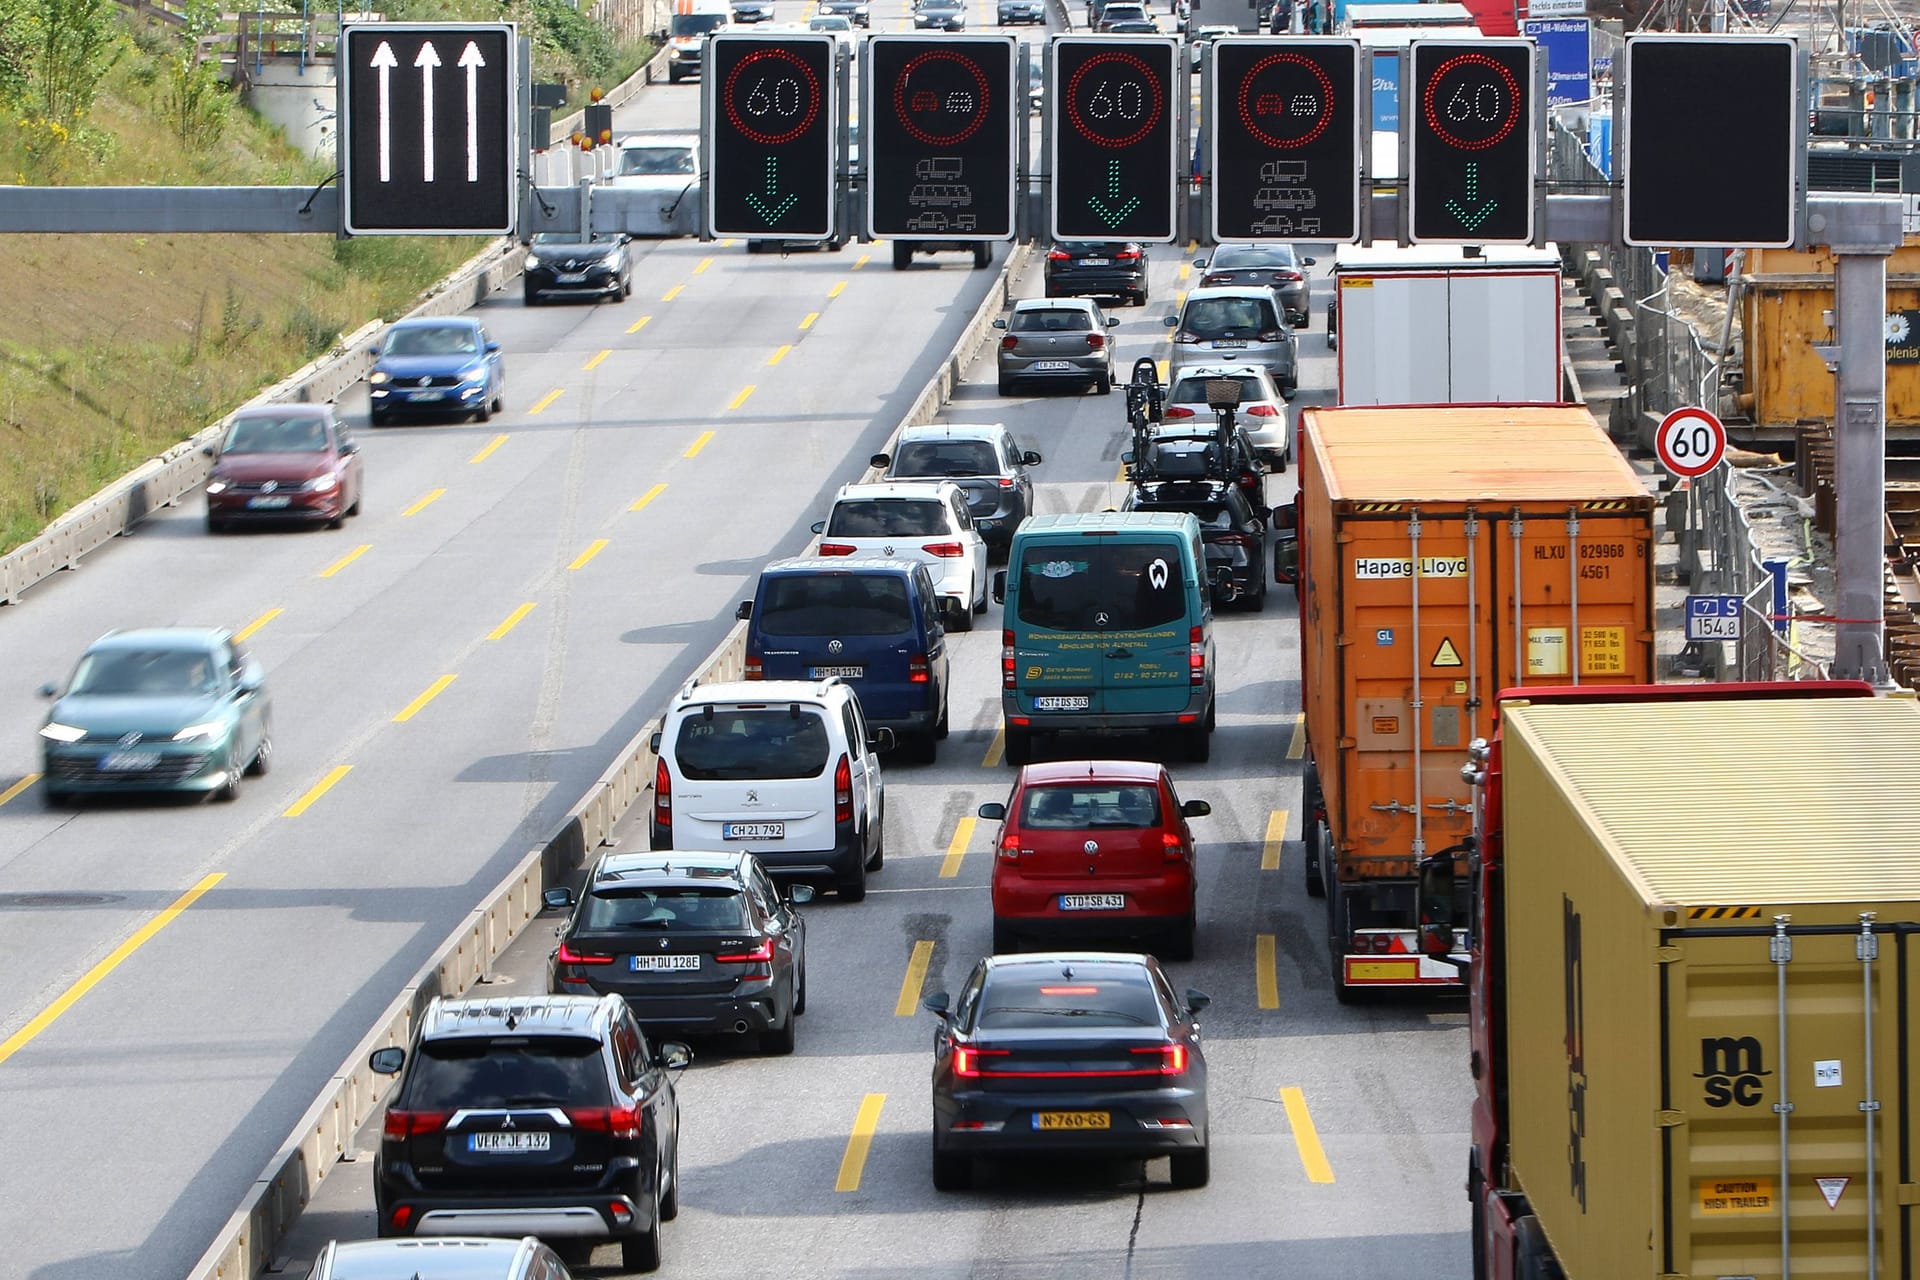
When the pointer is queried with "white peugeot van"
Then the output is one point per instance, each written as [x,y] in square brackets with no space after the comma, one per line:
[784,769]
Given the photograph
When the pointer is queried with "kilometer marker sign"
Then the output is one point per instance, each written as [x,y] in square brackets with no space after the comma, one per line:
[1690,442]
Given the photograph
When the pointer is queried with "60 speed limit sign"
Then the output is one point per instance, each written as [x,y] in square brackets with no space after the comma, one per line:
[1690,442]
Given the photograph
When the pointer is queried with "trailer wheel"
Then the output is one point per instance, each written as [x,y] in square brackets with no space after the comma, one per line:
[1336,951]
[1316,874]
[1534,1258]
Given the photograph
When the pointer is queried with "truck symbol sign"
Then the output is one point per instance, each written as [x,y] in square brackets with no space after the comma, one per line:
[1732,1069]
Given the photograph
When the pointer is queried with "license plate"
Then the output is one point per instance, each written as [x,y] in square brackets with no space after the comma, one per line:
[509,1143]
[128,761]
[1073,1120]
[1093,262]
[1228,344]
[265,504]
[1074,702]
[571,277]
[1051,366]
[640,963]
[428,395]
[1093,902]
[753,831]
[828,673]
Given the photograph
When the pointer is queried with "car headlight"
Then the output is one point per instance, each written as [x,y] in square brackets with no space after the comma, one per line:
[533,262]
[379,376]
[473,374]
[211,729]
[217,486]
[323,484]
[58,732]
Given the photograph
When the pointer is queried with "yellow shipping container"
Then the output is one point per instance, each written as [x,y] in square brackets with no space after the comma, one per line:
[1689,1095]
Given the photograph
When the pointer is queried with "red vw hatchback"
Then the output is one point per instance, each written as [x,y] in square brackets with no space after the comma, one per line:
[1094,848]
[284,463]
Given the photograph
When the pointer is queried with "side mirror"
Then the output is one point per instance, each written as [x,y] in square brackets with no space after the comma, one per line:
[1112,321]
[52,690]
[653,742]
[999,324]
[1308,262]
[209,451]
[373,351]
[1000,586]
[881,460]
[1170,321]
[744,611]
[800,894]
[881,739]
[387,1061]
[1031,459]
[1127,457]
[1195,809]
[250,681]
[674,1056]
[819,526]
[492,347]
[997,812]
[1197,1000]
[557,899]
[348,447]
[937,1005]
[1200,262]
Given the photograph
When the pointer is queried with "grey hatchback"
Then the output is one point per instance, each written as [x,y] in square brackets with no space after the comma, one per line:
[1056,340]
[982,459]
[1241,323]
[442,1257]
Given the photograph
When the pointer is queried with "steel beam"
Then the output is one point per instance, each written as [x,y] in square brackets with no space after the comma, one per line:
[169,210]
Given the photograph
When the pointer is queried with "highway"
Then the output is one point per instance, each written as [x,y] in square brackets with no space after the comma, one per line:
[453,668]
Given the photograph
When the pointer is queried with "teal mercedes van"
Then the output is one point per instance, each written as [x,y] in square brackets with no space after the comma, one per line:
[1109,629]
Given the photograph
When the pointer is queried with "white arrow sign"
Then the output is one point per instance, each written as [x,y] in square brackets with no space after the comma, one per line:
[384,62]
[470,59]
[428,61]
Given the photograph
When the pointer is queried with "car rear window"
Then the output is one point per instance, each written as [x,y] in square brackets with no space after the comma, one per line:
[664,907]
[505,1071]
[1050,320]
[1211,515]
[887,518]
[1081,805]
[834,604]
[919,458]
[1218,317]
[1108,585]
[1194,390]
[769,742]
[1014,1001]
[1246,256]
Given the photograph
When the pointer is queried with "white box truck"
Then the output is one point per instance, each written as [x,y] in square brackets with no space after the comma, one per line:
[1430,325]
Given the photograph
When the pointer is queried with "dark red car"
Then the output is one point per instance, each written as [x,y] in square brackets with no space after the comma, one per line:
[1094,848]
[290,463]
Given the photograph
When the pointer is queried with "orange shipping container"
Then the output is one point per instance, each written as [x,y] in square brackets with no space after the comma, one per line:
[1532,540]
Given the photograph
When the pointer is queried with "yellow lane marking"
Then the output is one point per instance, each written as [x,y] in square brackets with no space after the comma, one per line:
[1161,369]
[639,324]
[1193,246]
[672,293]
[1120,477]
[1297,747]
[512,621]
[595,362]
[1312,1157]
[915,979]
[346,560]
[247,632]
[1264,982]
[433,495]
[413,708]
[1186,269]
[1276,835]
[780,353]
[862,261]
[18,787]
[89,980]
[1179,297]
[839,288]
[593,549]
[957,847]
[487,452]
[640,503]
[996,749]
[704,264]
[318,789]
[546,400]
[737,401]
[699,443]
[727,243]
[859,1142]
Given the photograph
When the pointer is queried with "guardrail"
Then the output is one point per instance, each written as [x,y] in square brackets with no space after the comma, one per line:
[465,960]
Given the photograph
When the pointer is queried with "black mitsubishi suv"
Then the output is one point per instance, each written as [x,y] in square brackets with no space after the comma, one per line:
[549,1116]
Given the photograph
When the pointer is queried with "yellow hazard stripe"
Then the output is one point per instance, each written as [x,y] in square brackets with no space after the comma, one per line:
[1723,913]
[1367,508]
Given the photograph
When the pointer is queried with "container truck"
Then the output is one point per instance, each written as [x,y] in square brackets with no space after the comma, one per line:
[1443,554]
[1692,974]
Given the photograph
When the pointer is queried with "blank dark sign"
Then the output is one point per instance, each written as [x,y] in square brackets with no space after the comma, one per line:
[1714,128]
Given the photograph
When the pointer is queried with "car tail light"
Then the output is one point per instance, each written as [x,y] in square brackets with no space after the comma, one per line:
[1177,411]
[1009,342]
[405,1124]
[945,550]
[1173,1057]
[662,796]
[1172,848]
[1095,341]
[762,954]
[1268,335]
[966,1059]
[1261,411]
[837,548]
[1006,659]
[1286,277]
[402,1215]
[917,672]
[1185,335]
[1058,255]
[843,790]
[754,668]
[1196,656]
[567,955]
[1216,278]
[618,1122]
[1010,844]
[1006,482]
[1127,255]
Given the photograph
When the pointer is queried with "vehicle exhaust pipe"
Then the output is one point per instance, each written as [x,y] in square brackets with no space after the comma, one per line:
[740,1027]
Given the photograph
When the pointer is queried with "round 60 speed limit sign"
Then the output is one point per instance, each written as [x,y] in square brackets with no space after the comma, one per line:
[1690,442]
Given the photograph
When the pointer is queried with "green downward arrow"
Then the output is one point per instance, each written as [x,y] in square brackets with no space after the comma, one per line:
[770,209]
[1471,218]
[1109,214]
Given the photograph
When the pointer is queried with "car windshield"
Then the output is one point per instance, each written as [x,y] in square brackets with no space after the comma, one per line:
[505,1071]
[1082,805]
[1050,320]
[755,742]
[887,518]
[1223,317]
[918,458]
[829,24]
[1012,1001]
[1193,390]
[646,161]
[664,907]
[558,239]
[1118,586]
[1247,256]
[431,340]
[294,433]
[131,672]
[861,604]
[693,24]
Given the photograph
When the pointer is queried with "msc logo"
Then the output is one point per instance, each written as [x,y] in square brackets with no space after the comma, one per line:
[1732,1069]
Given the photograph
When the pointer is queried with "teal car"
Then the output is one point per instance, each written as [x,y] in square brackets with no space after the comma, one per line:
[180,709]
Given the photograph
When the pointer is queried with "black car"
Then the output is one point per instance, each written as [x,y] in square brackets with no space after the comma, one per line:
[984,460]
[751,11]
[562,263]
[550,1116]
[695,942]
[1098,269]
[1193,451]
[1232,535]
[1277,266]
[1086,1053]
[858,11]
[1012,11]
[939,15]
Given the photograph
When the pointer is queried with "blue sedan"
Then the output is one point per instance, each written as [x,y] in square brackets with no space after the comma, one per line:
[440,365]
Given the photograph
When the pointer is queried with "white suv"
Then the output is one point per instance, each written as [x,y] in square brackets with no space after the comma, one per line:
[914,521]
[786,770]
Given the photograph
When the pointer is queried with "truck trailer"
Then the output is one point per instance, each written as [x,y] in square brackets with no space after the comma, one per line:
[1692,974]
[1443,554]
